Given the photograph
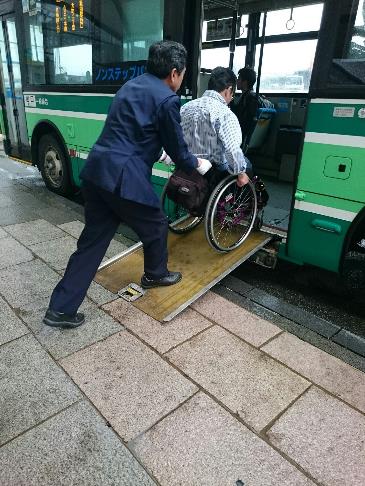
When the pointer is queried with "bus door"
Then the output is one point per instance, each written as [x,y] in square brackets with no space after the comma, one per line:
[330,186]
[16,141]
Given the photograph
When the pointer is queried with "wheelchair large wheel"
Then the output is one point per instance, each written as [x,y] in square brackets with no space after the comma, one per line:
[180,221]
[230,214]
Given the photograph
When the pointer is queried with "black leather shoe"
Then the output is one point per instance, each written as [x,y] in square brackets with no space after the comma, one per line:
[59,319]
[171,278]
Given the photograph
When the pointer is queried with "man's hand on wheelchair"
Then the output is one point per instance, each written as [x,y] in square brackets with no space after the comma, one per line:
[203,166]
[242,179]
[166,159]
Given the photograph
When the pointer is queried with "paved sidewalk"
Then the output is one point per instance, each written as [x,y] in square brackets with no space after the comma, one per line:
[217,397]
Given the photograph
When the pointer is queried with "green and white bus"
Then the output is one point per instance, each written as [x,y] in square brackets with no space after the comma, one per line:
[62,61]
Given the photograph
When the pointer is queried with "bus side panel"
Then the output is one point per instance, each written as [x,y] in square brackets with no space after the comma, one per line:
[330,189]
[78,118]
[318,229]
[333,170]
[85,132]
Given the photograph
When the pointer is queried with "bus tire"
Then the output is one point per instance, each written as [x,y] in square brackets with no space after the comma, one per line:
[53,165]
[353,273]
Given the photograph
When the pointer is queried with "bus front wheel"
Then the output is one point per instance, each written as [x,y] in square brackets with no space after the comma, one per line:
[53,165]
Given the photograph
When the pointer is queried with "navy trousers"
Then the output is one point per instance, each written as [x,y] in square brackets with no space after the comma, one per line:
[103,213]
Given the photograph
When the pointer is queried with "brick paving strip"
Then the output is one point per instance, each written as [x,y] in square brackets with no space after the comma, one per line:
[219,396]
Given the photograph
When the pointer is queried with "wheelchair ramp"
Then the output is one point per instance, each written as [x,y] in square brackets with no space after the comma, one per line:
[201,266]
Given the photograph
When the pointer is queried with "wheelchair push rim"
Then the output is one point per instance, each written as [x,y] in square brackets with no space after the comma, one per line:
[179,220]
[230,214]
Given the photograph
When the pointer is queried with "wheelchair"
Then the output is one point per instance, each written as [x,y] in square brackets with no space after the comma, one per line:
[229,214]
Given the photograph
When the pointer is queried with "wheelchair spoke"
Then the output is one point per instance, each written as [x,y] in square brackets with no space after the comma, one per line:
[232,215]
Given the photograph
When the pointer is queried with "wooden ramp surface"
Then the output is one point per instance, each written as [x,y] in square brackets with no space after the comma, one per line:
[201,266]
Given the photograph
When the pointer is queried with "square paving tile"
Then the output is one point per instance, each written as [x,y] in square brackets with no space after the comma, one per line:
[323,369]
[99,294]
[11,327]
[130,385]
[16,214]
[115,248]
[3,233]
[244,379]
[201,444]
[27,282]
[74,228]
[5,201]
[4,182]
[73,448]
[244,324]
[14,191]
[325,437]
[32,387]
[56,252]
[28,200]
[35,232]
[161,336]
[12,253]
[57,215]
[62,342]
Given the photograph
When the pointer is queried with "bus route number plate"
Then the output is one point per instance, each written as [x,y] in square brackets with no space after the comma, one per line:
[131,292]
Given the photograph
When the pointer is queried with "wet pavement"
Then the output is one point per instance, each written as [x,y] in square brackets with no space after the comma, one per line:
[232,392]
[309,289]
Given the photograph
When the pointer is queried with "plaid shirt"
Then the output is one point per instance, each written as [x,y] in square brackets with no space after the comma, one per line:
[213,132]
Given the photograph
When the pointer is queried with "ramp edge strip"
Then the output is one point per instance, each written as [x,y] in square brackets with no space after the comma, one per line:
[216,280]
[121,255]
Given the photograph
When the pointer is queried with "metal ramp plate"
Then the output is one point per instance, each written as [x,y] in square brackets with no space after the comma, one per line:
[201,266]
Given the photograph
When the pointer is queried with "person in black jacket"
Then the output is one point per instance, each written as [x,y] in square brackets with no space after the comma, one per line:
[143,118]
[246,107]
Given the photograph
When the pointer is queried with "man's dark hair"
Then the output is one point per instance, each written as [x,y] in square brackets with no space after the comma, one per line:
[222,78]
[247,74]
[164,56]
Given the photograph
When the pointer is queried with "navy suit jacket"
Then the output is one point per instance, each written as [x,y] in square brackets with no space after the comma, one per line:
[144,117]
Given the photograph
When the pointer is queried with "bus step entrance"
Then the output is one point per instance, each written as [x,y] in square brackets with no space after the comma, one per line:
[201,266]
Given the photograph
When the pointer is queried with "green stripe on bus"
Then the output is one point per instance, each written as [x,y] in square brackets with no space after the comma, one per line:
[87,104]
[321,119]
[333,202]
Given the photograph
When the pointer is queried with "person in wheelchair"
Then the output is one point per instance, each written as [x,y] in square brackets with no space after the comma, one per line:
[210,128]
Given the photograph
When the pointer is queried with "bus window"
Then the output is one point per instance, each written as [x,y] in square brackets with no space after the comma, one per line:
[287,62]
[350,69]
[124,32]
[305,19]
[35,49]
[59,43]
[287,66]
[219,30]
[357,44]
[67,43]
[67,34]
[211,58]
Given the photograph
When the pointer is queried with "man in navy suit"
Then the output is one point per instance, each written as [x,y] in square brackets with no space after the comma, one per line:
[143,118]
